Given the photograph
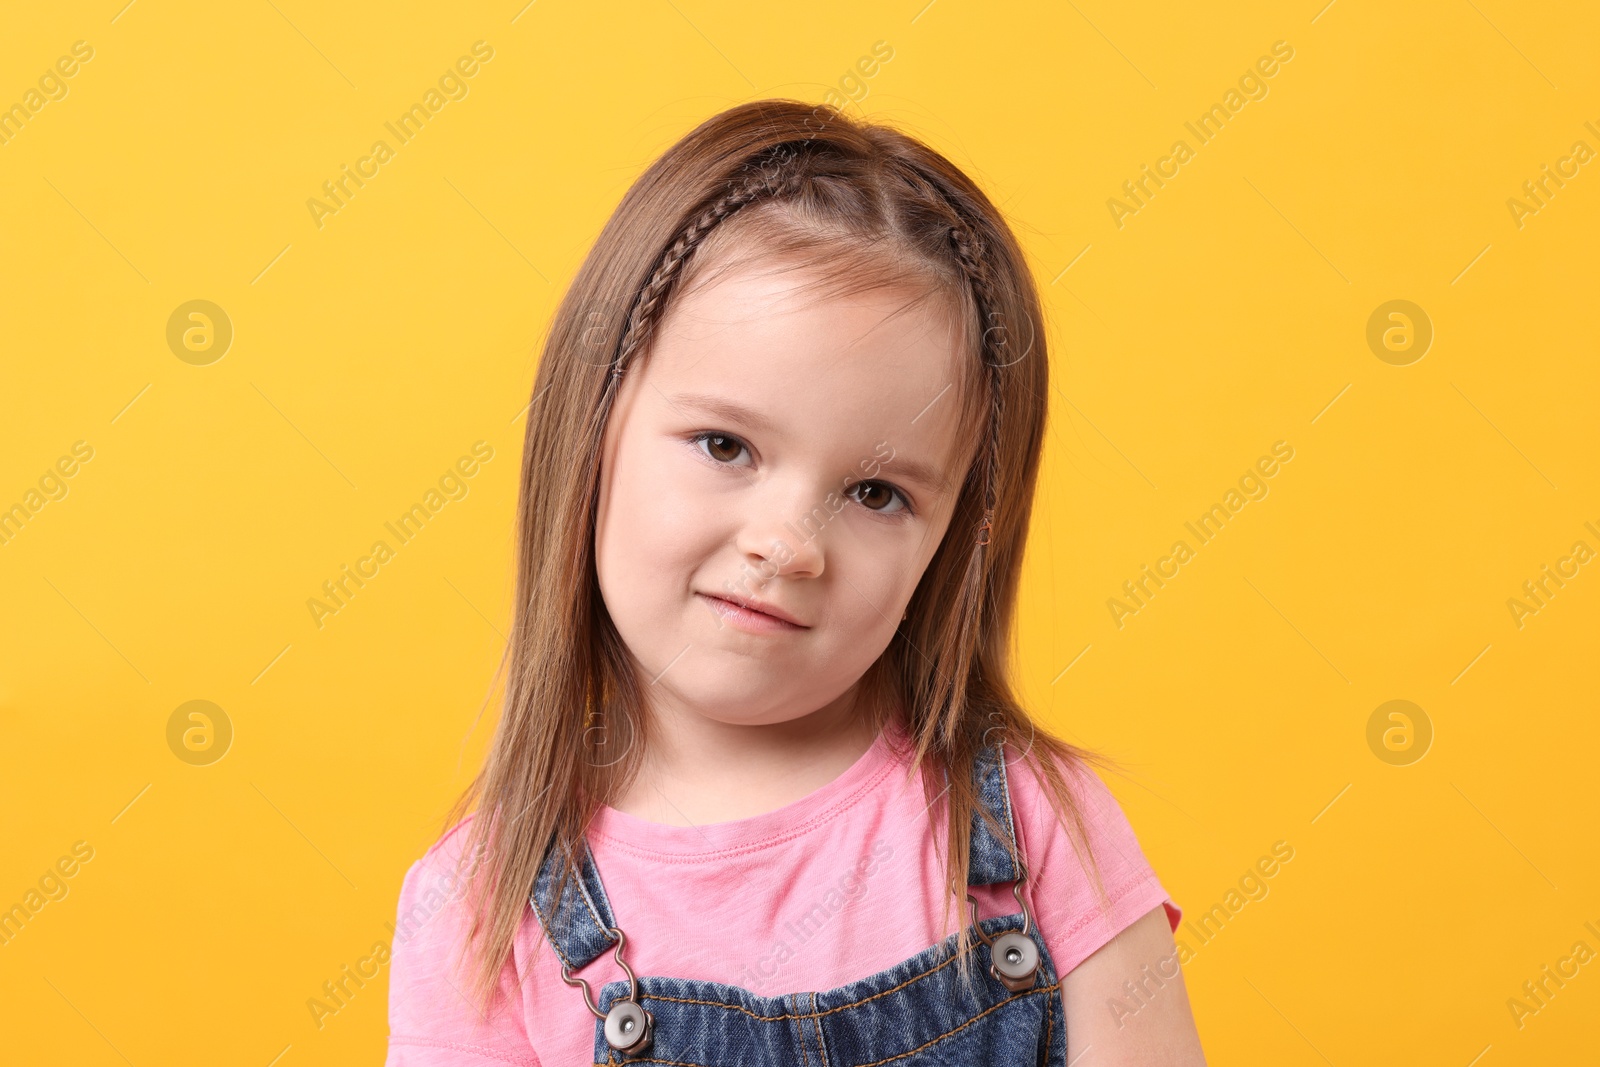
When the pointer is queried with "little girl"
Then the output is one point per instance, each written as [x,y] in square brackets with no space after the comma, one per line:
[761,793]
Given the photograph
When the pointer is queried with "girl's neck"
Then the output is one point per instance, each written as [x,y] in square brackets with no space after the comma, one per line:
[699,771]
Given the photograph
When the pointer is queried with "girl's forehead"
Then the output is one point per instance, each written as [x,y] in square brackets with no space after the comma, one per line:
[837,273]
[777,327]
[772,303]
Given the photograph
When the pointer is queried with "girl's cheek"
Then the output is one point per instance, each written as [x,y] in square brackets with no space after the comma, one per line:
[668,521]
[678,506]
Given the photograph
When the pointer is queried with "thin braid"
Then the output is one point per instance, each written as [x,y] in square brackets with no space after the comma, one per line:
[970,251]
[768,182]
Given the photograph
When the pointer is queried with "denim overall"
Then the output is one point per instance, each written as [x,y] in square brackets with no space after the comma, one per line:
[915,1014]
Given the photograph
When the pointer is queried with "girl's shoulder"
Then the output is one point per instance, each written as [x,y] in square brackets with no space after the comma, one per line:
[1101,812]
[430,1014]
[440,873]
[450,848]
[430,912]
[1081,901]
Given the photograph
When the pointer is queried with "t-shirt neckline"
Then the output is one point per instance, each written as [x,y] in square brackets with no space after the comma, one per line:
[714,840]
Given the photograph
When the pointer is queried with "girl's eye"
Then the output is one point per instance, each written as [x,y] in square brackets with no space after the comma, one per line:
[721,447]
[880,497]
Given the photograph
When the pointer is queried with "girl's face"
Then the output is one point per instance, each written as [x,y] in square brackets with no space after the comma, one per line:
[794,455]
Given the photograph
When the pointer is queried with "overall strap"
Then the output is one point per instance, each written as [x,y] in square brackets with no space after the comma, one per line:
[578,925]
[990,856]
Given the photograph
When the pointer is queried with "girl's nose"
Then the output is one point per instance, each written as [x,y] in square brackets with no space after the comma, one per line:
[784,535]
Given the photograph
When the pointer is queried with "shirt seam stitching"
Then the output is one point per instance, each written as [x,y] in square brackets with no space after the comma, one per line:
[1126,891]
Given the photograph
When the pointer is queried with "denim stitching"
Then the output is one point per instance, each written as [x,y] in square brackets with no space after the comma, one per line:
[985,774]
[583,892]
[1005,797]
[800,1036]
[1046,990]
[929,1044]
[1049,1025]
[583,895]
[827,1011]
[548,933]
[822,1050]
[600,887]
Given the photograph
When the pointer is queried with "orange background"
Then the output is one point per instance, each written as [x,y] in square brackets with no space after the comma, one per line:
[1229,312]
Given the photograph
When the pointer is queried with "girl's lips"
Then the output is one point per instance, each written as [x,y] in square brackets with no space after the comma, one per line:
[748,619]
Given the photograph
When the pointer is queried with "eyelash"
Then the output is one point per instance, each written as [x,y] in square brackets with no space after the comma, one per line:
[905,502]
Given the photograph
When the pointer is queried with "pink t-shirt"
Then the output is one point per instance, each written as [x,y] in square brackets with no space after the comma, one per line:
[834,887]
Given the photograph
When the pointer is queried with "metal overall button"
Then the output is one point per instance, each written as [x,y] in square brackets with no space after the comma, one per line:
[629,1027]
[1013,957]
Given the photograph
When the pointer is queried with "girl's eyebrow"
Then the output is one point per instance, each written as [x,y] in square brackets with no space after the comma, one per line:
[722,409]
[926,474]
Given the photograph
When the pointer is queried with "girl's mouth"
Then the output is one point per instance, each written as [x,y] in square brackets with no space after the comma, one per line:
[748,619]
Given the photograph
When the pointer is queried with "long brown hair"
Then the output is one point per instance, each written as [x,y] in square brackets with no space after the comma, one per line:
[870,206]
